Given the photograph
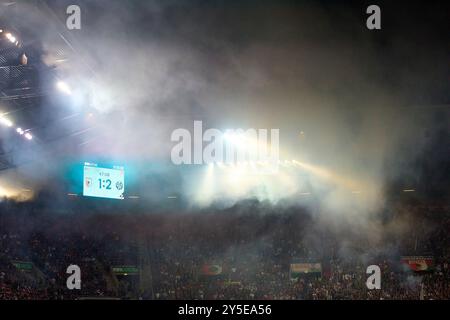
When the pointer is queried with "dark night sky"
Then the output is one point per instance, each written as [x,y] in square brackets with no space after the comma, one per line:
[408,57]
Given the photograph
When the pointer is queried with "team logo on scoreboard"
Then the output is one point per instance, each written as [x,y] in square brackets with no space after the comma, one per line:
[119,185]
[88,182]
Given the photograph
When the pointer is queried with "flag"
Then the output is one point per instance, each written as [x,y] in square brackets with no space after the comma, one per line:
[418,263]
[211,269]
[304,268]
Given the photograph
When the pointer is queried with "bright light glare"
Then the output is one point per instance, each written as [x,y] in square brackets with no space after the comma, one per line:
[234,138]
[206,190]
[28,136]
[20,131]
[63,87]
[6,121]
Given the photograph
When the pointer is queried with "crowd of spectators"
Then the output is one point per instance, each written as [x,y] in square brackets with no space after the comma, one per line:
[251,249]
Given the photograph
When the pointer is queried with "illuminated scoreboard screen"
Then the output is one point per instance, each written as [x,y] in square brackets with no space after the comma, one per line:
[103,182]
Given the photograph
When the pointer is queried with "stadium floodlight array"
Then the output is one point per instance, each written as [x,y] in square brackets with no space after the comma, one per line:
[6,122]
[22,132]
[10,37]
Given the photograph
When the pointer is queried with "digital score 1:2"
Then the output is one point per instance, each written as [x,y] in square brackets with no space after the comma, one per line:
[104,183]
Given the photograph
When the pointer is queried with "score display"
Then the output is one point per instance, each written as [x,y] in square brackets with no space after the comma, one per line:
[103,182]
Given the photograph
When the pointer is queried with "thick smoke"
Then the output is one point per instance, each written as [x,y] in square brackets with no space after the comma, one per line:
[151,68]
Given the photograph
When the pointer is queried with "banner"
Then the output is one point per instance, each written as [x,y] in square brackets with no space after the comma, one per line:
[211,270]
[418,263]
[125,270]
[23,265]
[298,269]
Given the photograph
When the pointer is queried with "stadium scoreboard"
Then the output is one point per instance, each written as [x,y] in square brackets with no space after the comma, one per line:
[103,182]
